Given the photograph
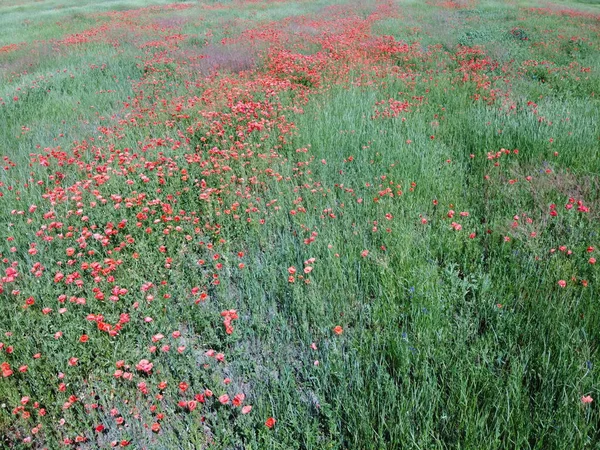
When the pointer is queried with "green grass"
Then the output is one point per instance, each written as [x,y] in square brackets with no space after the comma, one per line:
[165,190]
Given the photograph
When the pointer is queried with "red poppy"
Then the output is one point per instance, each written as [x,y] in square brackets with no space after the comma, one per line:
[270,422]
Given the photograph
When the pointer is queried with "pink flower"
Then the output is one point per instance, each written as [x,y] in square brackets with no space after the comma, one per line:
[586,399]
[144,366]
[224,399]
[246,409]
[562,283]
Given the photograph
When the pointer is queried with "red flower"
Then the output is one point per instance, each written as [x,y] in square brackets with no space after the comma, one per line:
[238,399]
[270,422]
[338,330]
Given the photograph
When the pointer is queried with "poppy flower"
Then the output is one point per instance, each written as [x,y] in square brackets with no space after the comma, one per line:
[144,366]
[238,399]
[270,422]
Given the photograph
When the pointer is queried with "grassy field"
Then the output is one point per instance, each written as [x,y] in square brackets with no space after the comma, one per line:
[300,224]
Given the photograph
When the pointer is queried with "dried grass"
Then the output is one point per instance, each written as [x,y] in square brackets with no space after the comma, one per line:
[234,58]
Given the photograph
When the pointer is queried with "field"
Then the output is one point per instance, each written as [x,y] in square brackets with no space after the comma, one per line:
[293,224]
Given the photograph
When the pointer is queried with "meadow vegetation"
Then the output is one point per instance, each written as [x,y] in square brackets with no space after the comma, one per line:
[299,224]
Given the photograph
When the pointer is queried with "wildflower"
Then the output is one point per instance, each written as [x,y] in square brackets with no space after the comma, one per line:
[144,366]
[238,399]
[338,330]
[270,422]
[586,399]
